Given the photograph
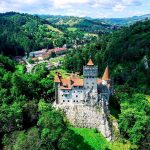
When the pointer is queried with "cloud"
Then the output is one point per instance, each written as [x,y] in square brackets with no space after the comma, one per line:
[73,7]
[119,7]
[132,2]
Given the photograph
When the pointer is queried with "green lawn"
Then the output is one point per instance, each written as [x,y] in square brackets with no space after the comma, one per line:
[54,29]
[98,142]
[72,29]
[121,146]
[57,59]
[91,34]
[95,140]
[20,68]
[148,97]
[62,71]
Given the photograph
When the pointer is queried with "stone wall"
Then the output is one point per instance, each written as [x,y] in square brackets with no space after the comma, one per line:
[88,117]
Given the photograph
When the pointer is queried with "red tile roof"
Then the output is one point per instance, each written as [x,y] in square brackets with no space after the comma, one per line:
[58,49]
[72,81]
[78,82]
[99,81]
[90,63]
[68,83]
[106,74]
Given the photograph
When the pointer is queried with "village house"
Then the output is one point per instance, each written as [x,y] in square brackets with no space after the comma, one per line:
[44,53]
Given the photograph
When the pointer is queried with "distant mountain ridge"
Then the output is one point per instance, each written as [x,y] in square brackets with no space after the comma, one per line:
[86,24]
[125,21]
[106,21]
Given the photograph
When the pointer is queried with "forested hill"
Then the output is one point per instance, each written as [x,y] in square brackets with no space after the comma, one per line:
[124,51]
[82,24]
[99,25]
[20,33]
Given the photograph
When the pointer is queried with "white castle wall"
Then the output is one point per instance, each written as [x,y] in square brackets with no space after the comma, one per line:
[90,82]
[75,95]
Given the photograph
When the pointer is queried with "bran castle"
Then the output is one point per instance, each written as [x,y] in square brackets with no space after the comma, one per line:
[85,101]
[87,91]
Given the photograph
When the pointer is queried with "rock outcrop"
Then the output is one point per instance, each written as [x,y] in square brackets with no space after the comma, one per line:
[87,116]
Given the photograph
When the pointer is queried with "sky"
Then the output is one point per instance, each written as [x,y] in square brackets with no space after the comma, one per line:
[81,8]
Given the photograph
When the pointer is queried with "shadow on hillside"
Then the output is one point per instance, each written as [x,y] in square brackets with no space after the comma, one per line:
[114,107]
[80,143]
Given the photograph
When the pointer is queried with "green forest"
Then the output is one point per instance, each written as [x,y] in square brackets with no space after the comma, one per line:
[23,33]
[27,118]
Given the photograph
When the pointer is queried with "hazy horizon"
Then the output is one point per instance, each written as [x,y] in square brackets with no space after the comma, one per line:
[79,8]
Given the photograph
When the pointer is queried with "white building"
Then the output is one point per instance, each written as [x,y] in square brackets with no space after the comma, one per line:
[74,90]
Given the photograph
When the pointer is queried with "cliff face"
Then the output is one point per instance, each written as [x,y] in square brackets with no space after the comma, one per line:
[87,116]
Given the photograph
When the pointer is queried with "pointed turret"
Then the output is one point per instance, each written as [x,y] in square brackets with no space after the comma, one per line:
[90,63]
[106,74]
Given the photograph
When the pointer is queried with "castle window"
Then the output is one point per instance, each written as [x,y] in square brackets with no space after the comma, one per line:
[76,95]
[62,95]
[74,101]
[68,100]
[77,101]
[63,100]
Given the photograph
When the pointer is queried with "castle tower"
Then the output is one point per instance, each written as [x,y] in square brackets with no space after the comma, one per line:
[90,72]
[105,78]
[106,91]
[106,74]
[57,84]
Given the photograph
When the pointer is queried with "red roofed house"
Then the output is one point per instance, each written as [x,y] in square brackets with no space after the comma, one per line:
[58,50]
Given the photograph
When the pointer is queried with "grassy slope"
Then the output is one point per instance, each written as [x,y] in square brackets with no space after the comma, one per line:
[20,68]
[72,29]
[98,142]
[95,140]
[54,29]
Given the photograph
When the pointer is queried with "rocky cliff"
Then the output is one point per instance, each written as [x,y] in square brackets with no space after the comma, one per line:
[87,116]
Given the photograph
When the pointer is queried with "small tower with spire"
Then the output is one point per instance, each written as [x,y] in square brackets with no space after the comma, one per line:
[90,73]
[106,89]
